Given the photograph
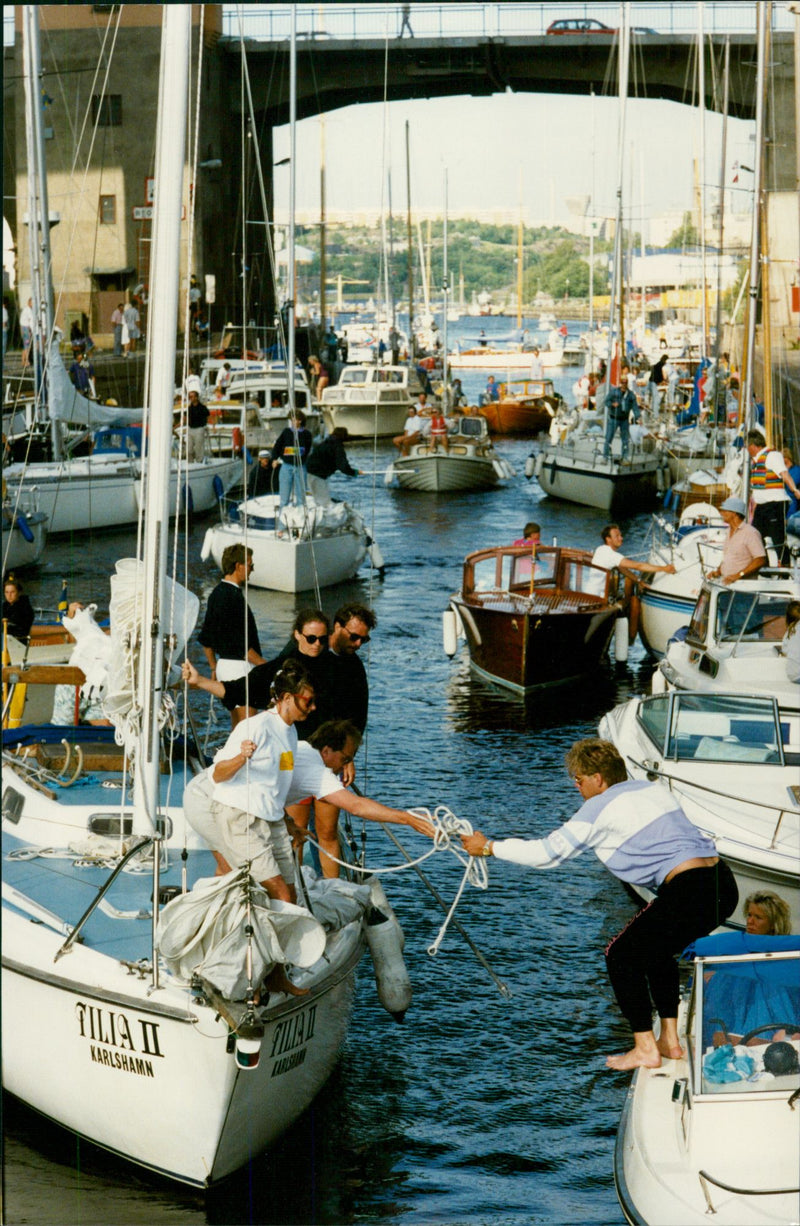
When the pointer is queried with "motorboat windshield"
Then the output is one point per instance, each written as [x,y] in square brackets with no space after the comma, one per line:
[744,1023]
[711,727]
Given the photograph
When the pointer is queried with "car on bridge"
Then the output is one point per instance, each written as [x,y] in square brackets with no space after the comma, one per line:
[589,25]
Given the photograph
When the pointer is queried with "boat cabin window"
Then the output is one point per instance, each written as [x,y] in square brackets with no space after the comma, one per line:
[356,374]
[757,1000]
[698,626]
[472,427]
[652,716]
[755,617]
[544,567]
[723,728]
[484,574]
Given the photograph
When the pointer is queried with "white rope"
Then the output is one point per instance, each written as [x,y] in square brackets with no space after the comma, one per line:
[447,837]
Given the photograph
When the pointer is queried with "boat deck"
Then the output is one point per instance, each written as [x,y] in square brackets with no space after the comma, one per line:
[65,884]
[542,602]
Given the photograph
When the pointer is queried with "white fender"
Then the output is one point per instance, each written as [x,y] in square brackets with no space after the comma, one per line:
[449,632]
[378,899]
[391,976]
[661,480]
[205,552]
[658,685]
[621,640]
[388,476]
[530,466]
[375,556]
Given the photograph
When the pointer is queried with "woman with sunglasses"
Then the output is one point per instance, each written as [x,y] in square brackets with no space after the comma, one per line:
[308,644]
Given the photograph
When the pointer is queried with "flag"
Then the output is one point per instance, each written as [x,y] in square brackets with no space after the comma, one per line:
[63,603]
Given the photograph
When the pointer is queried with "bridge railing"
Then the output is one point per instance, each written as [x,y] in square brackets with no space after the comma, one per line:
[470,20]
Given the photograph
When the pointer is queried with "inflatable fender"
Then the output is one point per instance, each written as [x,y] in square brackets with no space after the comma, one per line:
[388,476]
[378,899]
[205,552]
[621,640]
[24,527]
[384,940]
[530,466]
[449,632]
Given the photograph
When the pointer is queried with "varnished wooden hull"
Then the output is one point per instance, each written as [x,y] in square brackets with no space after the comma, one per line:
[528,651]
[515,417]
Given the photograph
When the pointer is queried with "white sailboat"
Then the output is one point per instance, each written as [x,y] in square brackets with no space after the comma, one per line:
[575,467]
[146,1053]
[302,546]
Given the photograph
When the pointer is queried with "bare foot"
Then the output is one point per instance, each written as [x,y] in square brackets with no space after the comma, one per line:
[278,981]
[635,1058]
[670,1051]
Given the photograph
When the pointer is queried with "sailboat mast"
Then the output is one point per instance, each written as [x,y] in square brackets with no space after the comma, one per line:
[445,288]
[38,208]
[410,249]
[721,228]
[323,263]
[291,269]
[616,272]
[701,102]
[161,339]
[519,259]
[755,236]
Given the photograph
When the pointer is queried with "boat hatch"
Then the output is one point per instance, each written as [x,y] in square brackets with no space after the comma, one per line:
[718,728]
[744,1022]
[107,825]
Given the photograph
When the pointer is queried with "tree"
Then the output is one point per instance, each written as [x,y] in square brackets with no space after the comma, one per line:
[686,234]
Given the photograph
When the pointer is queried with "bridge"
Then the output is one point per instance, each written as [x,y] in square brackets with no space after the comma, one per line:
[355,54]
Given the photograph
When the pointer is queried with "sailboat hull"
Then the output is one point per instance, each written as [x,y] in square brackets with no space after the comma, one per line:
[367,421]
[441,473]
[291,565]
[20,547]
[595,482]
[104,492]
[154,1078]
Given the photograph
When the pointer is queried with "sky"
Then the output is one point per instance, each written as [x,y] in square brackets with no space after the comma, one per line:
[508,149]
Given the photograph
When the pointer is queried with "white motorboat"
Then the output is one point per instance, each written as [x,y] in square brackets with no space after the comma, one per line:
[733,641]
[152,1046]
[370,401]
[693,546]
[574,468]
[258,392]
[715,1135]
[731,760]
[295,550]
[470,462]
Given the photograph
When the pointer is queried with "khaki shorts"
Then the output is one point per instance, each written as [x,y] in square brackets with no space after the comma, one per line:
[239,836]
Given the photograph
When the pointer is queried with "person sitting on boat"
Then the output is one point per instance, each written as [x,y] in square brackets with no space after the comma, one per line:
[641,834]
[456,398]
[260,480]
[790,646]
[532,538]
[81,372]
[491,391]
[743,553]
[771,485]
[327,457]
[18,614]
[734,1004]
[608,556]
[290,453]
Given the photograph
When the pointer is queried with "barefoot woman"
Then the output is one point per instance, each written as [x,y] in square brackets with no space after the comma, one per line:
[643,837]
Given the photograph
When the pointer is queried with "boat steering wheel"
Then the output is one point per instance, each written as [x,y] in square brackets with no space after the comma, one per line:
[789,1027]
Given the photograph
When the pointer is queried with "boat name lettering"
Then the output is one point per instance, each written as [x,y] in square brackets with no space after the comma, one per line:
[288,1062]
[293,1031]
[115,1030]
[119,1059]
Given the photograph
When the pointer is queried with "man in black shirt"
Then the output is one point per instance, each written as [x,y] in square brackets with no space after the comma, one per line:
[229,637]
[328,457]
[196,422]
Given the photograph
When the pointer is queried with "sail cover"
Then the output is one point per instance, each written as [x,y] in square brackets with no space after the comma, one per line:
[68,405]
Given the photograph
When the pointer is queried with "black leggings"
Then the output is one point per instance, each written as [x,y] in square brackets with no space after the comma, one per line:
[641,960]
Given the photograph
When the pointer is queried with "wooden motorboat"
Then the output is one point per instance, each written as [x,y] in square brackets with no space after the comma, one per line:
[524,631]
[714,1136]
[470,462]
[525,406]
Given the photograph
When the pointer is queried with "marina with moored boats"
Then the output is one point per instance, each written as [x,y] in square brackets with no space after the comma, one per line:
[168,1012]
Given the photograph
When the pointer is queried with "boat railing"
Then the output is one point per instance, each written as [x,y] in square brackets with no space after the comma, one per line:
[706,1179]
